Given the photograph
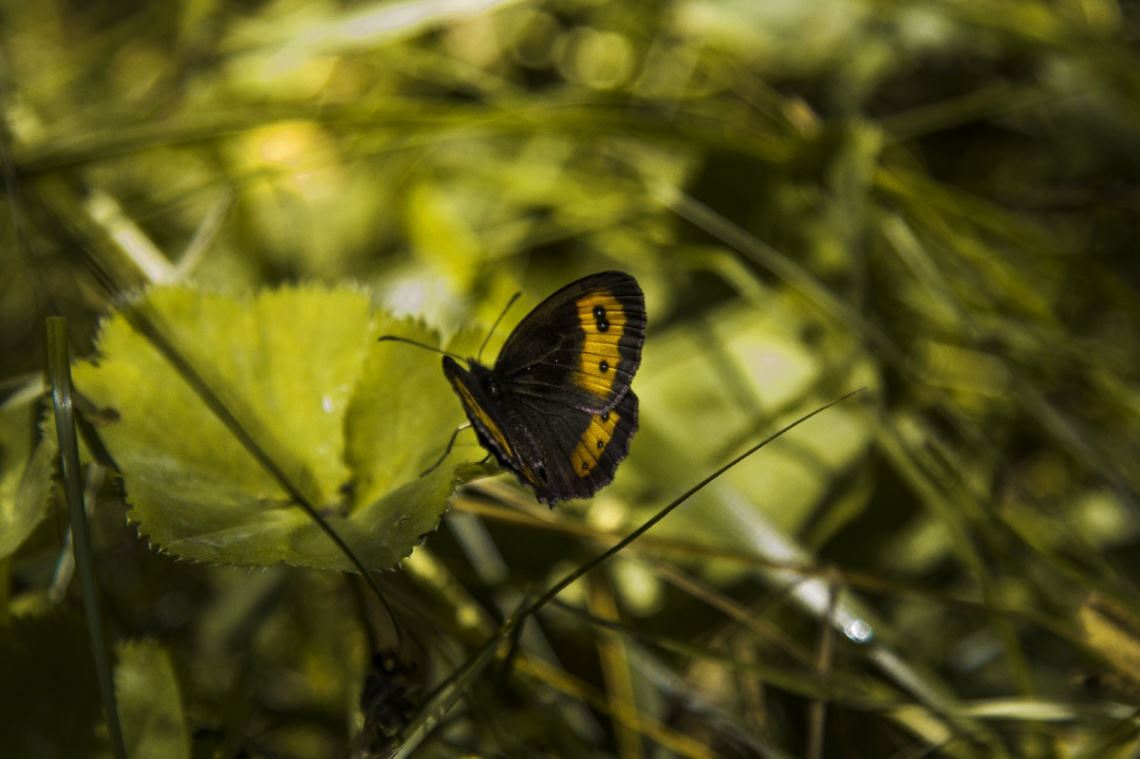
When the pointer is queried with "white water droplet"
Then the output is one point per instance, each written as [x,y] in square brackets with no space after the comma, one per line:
[859,631]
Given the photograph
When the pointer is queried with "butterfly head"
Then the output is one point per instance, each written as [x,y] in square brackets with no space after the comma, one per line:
[479,379]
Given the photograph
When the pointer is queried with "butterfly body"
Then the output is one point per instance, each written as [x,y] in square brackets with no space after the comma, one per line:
[556,409]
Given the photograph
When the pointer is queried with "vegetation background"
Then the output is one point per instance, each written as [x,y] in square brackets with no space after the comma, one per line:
[935,200]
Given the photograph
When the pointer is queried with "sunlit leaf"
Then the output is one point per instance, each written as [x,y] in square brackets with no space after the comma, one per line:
[288,365]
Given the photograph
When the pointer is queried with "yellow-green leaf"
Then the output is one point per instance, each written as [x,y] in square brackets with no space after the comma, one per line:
[295,369]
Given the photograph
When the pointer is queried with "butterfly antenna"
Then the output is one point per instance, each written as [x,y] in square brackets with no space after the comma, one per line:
[487,339]
[425,346]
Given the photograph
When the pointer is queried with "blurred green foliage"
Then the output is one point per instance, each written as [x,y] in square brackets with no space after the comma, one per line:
[934,200]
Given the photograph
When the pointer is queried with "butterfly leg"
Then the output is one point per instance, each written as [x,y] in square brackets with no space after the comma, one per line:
[447,450]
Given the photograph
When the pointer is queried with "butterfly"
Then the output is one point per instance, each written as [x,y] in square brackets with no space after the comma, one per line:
[556,409]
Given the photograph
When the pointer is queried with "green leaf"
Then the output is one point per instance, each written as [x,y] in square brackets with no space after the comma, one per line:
[293,368]
[25,473]
[150,706]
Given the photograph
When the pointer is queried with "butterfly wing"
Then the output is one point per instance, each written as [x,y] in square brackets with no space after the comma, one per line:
[581,346]
[580,451]
[495,428]
[558,451]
